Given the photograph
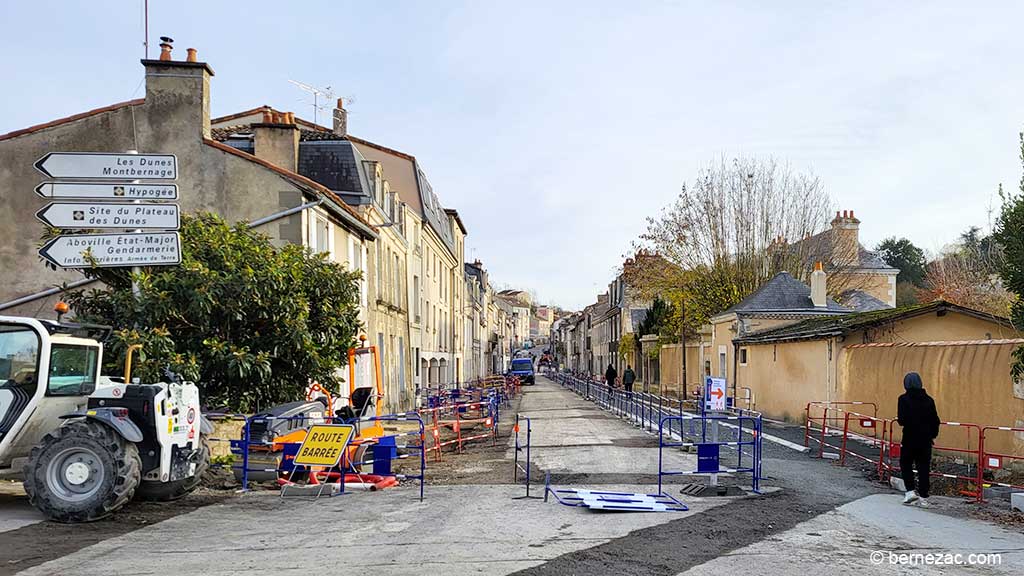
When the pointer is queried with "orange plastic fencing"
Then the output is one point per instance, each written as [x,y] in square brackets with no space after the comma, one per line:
[819,416]
[467,421]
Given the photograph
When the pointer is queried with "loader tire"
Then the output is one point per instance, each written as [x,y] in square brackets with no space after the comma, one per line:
[82,471]
[157,491]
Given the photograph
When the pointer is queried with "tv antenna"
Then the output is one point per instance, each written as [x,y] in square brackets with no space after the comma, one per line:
[321,97]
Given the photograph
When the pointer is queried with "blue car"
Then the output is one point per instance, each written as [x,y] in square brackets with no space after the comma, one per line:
[523,368]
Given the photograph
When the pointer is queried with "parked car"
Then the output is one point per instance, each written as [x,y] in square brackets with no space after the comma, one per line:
[523,368]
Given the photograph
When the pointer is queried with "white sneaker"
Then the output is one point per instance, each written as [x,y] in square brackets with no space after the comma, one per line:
[910,497]
[923,503]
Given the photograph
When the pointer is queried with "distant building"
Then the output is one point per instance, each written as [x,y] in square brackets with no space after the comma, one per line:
[861,277]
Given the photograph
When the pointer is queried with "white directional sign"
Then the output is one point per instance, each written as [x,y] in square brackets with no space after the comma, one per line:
[111,250]
[79,215]
[107,191]
[714,394]
[102,166]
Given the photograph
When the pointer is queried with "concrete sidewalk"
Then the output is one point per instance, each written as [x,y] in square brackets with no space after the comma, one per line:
[573,436]
[843,542]
[458,529]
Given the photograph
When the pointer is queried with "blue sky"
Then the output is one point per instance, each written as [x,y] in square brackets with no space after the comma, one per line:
[555,128]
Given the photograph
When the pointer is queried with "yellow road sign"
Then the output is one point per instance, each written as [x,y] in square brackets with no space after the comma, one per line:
[324,445]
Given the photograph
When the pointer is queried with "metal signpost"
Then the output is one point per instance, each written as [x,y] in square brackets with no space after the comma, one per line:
[104,192]
[714,403]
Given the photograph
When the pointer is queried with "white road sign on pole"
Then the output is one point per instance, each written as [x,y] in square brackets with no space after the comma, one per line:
[714,394]
[90,215]
[103,166]
[107,191]
[113,250]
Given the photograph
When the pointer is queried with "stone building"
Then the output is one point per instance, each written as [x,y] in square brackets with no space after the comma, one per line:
[500,326]
[475,321]
[261,186]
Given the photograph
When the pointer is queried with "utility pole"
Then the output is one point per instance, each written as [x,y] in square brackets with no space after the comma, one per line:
[682,339]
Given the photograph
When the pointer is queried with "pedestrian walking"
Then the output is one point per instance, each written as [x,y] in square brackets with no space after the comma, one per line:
[920,421]
[628,377]
[609,376]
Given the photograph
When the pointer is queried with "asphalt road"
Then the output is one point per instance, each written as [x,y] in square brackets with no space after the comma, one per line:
[822,517]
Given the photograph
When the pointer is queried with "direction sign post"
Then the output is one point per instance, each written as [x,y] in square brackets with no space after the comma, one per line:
[714,403]
[141,233]
[113,250]
[91,215]
[107,191]
[104,166]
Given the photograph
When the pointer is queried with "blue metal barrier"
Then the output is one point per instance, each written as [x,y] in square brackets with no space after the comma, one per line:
[708,451]
[678,424]
[617,501]
[520,448]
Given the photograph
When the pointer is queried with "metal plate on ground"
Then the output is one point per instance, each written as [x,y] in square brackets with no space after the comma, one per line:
[617,501]
[703,490]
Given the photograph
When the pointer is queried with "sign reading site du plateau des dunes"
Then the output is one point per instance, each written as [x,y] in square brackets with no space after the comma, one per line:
[78,215]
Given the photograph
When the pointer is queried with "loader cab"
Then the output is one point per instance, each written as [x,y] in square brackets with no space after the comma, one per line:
[47,369]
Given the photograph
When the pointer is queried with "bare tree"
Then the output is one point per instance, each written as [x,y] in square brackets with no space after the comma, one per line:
[735,226]
[967,274]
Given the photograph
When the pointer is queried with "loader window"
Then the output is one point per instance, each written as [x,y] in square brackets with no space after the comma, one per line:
[19,368]
[72,370]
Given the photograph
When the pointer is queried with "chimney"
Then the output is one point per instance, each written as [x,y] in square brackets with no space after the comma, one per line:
[341,119]
[177,94]
[276,139]
[845,240]
[818,287]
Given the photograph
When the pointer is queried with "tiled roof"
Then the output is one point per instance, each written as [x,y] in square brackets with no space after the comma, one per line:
[818,248]
[225,132]
[861,301]
[826,326]
[336,164]
[298,179]
[245,131]
[60,121]
[324,157]
[994,341]
[783,294]
[266,108]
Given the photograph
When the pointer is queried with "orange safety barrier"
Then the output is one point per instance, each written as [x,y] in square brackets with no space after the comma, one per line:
[891,449]
[996,460]
[838,418]
[459,418]
[965,443]
[856,425]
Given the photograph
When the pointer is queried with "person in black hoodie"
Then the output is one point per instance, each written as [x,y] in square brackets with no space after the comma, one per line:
[920,421]
[609,377]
